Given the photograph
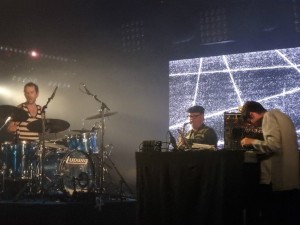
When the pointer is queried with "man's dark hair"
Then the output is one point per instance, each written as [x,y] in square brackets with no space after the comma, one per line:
[31,84]
[251,106]
[196,109]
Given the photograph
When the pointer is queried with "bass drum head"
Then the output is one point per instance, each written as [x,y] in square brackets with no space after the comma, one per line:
[77,172]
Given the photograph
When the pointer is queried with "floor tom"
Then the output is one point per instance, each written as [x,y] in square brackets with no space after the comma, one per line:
[18,160]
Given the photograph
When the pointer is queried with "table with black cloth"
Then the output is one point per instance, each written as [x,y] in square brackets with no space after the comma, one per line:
[197,187]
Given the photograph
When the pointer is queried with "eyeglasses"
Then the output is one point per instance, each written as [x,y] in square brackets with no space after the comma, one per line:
[247,117]
[193,116]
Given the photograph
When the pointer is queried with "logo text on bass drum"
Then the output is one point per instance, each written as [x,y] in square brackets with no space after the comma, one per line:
[77,161]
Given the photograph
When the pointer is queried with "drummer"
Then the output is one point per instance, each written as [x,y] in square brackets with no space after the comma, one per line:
[34,111]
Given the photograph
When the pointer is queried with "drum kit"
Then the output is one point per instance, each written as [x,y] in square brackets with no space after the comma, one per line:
[68,166]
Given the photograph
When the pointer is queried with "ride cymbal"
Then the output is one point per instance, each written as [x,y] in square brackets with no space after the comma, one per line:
[51,125]
[97,116]
[16,114]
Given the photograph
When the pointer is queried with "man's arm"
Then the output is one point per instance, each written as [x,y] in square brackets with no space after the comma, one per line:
[272,136]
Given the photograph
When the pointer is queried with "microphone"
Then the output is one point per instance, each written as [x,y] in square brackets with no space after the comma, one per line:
[186,123]
[53,94]
[95,96]
[85,88]
[172,140]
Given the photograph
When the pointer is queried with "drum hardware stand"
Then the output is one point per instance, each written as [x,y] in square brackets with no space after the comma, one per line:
[28,185]
[74,179]
[26,174]
[2,171]
[122,180]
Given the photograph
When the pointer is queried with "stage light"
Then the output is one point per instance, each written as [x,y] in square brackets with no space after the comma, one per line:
[296,9]
[133,36]
[60,85]
[34,54]
[5,92]
[21,79]
[213,27]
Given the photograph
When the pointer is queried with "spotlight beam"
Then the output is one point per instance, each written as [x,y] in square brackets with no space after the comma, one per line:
[235,70]
[287,60]
[237,91]
[198,79]
[284,93]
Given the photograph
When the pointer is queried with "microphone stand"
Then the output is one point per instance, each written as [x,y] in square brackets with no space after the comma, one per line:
[6,121]
[104,108]
[43,142]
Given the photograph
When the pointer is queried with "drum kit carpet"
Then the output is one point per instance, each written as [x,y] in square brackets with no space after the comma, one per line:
[65,167]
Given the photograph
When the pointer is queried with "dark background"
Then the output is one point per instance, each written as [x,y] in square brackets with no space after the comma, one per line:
[120,50]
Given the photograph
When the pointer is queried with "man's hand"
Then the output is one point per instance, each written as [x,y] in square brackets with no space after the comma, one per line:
[12,127]
[247,141]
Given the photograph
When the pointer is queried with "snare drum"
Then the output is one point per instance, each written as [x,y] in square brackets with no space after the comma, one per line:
[68,171]
[18,160]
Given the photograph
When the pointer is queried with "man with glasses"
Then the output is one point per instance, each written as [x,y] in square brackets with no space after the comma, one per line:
[200,133]
[279,161]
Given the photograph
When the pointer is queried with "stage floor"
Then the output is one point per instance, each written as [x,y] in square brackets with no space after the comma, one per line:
[21,203]
[44,212]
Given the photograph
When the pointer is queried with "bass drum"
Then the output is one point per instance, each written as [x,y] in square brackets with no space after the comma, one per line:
[68,171]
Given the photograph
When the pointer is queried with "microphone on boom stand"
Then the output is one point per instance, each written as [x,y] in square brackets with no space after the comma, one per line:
[86,90]
[173,141]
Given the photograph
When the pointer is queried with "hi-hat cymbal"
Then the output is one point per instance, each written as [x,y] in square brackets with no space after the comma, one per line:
[51,125]
[97,116]
[16,114]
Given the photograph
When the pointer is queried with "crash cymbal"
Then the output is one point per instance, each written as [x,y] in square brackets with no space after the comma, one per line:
[100,116]
[61,142]
[51,125]
[82,130]
[16,114]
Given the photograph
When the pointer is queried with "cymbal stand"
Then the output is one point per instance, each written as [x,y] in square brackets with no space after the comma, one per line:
[42,156]
[101,151]
[99,183]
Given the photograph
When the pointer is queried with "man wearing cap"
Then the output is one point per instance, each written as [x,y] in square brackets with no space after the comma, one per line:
[279,160]
[200,133]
